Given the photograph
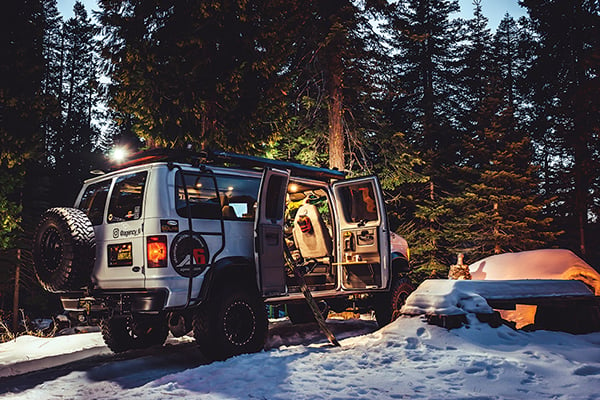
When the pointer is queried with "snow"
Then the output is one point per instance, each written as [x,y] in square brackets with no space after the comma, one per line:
[408,359]
[459,297]
[536,264]
[29,353]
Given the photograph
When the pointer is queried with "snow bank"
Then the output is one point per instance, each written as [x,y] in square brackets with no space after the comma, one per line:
[30,353]
[536,264]
[460,297]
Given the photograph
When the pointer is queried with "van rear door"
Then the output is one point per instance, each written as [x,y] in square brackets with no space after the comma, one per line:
[269,241]
[363,243]
[120,239]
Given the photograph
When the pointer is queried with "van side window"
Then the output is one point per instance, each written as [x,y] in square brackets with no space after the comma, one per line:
[235,200]
[127,197]
[201,194]
[238,196]
[93,201]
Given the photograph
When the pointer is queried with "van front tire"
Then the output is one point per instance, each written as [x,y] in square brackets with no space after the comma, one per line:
[121,333]
[388,305]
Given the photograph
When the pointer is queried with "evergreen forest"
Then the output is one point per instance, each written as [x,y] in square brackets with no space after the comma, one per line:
[486,139]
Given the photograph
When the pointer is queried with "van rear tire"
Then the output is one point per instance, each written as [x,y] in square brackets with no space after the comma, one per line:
[234,323]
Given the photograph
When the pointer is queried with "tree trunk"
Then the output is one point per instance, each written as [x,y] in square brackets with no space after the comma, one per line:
[336,105]
[582,188]
[336,130]
[497,248]
[15,321]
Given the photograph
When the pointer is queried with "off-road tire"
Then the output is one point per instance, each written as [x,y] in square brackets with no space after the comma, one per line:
[387,306]
[232,324]
[126,333]
[64,250]
[201,323]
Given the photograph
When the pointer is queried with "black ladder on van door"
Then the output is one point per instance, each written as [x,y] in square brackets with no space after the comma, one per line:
[203,172]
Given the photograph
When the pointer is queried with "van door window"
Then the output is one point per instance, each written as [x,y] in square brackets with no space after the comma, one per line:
[93,201]
[127,198]
[359,202]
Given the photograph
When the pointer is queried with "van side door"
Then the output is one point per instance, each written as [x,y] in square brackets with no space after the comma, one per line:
[363,243]
[268,227]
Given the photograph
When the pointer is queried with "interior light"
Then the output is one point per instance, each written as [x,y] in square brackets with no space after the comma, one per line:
[293,188]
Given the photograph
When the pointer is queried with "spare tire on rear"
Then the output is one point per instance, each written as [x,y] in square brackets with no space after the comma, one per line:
[64,250]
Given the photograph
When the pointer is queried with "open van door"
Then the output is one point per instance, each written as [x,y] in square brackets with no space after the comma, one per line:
[363,243]
[268,227]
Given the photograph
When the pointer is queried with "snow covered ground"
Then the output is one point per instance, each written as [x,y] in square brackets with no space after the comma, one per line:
[406,360]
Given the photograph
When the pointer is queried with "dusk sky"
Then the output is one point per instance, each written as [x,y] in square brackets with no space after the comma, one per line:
[493,9]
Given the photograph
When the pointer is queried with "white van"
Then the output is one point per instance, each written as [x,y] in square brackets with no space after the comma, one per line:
[174,241]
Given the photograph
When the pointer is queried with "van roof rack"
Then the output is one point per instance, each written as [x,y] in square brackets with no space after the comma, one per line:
[223,158]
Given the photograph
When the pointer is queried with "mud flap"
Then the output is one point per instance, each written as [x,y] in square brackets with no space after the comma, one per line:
[308,296]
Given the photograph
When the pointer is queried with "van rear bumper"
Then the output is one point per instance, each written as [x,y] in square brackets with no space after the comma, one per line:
[122,301]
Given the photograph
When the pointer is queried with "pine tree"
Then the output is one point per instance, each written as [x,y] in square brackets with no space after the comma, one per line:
[71,94]
[424,36]
[21,105]
[566,86]
[424,98]
[475,61]
[53,76]
[79,88]
[336,72]
[499,207]
[21,109]
[201,72]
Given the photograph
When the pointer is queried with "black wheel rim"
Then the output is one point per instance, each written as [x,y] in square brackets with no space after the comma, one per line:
[239,323]
[51,249]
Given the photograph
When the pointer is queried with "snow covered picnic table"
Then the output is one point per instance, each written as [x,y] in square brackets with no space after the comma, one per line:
[459,297]
[562,304]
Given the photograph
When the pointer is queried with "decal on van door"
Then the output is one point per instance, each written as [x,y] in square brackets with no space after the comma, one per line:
[189,254]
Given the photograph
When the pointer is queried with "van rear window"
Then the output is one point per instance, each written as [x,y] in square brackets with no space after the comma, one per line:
[127,198]
[93,201]
[359,202]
